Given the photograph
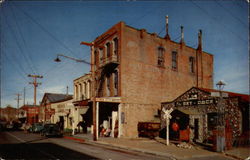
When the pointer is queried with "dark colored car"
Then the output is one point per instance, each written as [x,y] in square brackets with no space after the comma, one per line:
[51,130]
[36,128]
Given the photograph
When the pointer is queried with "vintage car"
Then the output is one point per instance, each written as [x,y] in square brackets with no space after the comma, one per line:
[51,130]
[36,128]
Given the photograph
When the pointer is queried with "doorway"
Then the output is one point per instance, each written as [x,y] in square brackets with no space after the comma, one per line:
[196,128]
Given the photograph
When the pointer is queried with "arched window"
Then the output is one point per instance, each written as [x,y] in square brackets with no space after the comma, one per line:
[108,49]
[116,78]
[115,46]
[160,61]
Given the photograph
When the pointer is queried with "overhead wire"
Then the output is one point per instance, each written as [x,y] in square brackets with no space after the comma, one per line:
[26,55]
[19,46]
[219,22]
[239,20]
[45,30]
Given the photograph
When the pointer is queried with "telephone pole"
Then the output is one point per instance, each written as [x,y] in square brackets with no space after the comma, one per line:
[18,99]
[35,84]
[24,92]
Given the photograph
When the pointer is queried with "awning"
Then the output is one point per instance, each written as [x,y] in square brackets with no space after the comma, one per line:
[189,112]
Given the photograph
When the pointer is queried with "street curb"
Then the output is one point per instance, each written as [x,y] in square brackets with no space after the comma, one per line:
[73,138]
[145,151]
[133,149]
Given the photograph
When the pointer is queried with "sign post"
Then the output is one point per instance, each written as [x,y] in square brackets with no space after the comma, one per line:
[167,117]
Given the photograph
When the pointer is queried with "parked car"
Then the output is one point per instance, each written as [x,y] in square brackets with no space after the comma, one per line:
[9,127]
[36,128]
[51,130]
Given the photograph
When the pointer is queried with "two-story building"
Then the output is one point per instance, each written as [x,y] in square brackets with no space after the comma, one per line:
[134,71]
[81,100]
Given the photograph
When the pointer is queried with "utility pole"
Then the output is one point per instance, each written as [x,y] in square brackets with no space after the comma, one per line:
[24,96]
[18,99]
[35,84]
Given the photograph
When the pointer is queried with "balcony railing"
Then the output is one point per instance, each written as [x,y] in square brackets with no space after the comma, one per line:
[108,60]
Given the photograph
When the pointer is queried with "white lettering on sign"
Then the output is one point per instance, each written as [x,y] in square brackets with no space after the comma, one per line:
[111,99]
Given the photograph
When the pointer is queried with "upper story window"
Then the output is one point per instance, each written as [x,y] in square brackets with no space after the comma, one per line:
[191,64]
[108,49]
[160,61]
[96,57]
[174,60]
[115,46]
[100,54]
[116,79]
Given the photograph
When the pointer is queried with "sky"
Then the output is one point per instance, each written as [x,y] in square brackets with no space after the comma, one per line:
[34,32]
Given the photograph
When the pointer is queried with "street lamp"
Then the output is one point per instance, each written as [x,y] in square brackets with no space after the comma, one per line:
[74,59]
[93,80]
[220,140]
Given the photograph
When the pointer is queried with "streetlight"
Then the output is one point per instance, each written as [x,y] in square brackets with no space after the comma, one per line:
[91,44]
[220,139]
[74,59]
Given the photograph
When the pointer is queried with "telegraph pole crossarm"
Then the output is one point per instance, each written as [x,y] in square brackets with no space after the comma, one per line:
[35,84]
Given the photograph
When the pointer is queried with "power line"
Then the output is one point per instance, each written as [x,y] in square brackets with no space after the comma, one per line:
[20,48]
[219,22]
[45,30]
[17,68]
[29,60]
[35,84]
[231,13]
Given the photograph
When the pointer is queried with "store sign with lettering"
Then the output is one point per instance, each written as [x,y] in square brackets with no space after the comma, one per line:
[196,102]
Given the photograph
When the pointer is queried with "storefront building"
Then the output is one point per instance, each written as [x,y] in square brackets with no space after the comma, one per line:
[45,110]
[67,115]
[28,114]
[134,71]
[196,112]
[82,103]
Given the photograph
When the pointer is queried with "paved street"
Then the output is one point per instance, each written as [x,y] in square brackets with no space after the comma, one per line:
[21,145]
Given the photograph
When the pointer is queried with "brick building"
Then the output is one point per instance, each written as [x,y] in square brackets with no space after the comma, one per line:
[28,114]
[135,71]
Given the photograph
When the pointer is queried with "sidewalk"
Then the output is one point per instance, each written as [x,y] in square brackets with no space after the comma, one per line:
[158,147]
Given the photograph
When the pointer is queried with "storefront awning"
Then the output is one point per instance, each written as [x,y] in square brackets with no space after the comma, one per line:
[189,112]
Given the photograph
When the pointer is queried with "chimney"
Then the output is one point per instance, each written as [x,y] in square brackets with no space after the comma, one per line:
[200,40]
[182,36]
[167,37]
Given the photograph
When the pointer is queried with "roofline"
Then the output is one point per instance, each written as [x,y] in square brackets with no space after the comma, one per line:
[205,90]
[165,39]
